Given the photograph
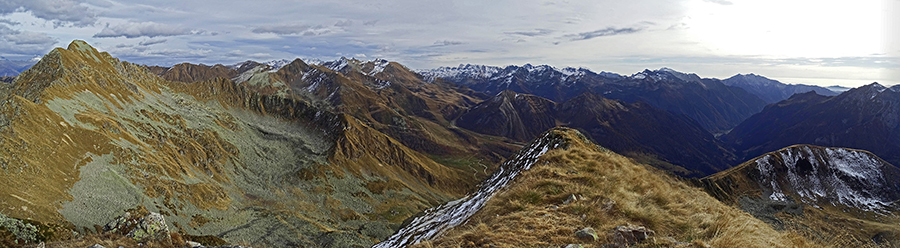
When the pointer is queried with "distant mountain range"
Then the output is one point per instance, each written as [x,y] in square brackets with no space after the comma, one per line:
[12,68]
[865,118]
[711,103]
[772,91]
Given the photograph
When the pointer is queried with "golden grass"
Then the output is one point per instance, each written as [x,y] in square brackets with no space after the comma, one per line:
[523,214]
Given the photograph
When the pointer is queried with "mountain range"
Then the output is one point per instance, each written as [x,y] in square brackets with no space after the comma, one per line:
[351,153]
[715,106]
[865,118]
[772,91]
[651,135]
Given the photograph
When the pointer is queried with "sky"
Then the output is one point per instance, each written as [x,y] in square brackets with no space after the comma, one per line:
[822,42]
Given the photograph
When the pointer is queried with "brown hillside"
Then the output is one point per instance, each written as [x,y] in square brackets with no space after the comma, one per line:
[610,190]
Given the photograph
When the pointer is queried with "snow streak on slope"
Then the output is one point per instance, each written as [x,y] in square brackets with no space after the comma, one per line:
[441,218]
[826,175]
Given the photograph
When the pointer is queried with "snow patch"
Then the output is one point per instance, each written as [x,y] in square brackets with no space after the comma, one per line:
[441,218]
[836,175]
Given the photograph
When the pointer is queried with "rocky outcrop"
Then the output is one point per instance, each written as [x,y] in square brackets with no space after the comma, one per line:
[140,225]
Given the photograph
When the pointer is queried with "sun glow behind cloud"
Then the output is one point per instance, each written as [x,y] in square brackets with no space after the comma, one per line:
[789,29]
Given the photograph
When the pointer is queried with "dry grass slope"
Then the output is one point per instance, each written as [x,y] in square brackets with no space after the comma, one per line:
[615,191]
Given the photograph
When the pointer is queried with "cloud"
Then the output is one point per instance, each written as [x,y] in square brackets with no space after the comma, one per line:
[141,29]
[536,32]
[9,22]
[344,23]
[610,31]
[31,38]
[722,2]
[283,29]
[293,29]
[447,43]
[24,43]
[152,42]
[60,12]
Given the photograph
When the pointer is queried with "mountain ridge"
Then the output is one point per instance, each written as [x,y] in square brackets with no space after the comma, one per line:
[717,107]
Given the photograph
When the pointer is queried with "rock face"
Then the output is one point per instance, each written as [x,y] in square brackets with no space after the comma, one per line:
[715,106]
[639,130]
[866,118]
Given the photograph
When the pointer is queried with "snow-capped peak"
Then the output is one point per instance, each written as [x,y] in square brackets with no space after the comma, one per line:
[379,64]
[277,64]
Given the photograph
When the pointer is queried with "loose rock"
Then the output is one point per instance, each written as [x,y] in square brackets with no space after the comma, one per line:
[587,234]
[628,235]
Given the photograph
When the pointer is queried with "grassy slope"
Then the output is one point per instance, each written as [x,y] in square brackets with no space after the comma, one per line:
[521,214]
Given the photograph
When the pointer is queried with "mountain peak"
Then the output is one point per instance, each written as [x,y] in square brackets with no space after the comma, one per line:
[85,51]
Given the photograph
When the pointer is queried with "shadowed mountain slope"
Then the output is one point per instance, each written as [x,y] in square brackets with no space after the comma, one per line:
[865,118]
[639,130]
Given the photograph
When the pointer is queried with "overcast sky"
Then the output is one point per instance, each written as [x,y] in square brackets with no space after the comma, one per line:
[796,41]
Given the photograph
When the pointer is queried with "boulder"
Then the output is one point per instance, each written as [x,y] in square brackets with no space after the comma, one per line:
[587,234]
[628,235]
[574,246]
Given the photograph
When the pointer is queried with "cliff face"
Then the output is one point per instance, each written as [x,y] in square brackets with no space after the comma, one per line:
[84,136]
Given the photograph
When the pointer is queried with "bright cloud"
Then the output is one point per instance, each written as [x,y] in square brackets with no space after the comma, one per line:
[714,38]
